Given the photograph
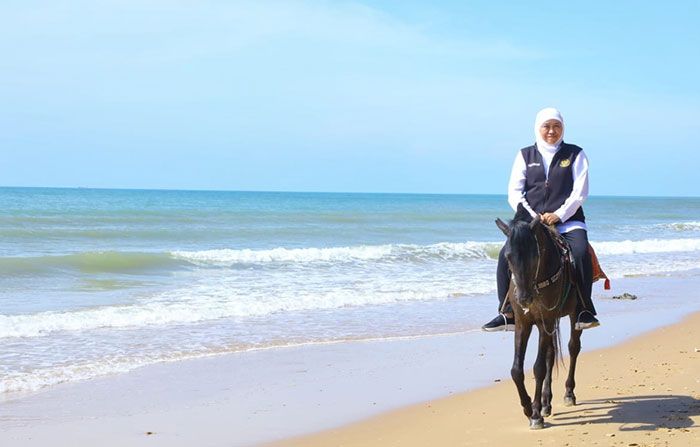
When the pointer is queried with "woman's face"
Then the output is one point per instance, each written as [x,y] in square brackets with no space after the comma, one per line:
[550,131]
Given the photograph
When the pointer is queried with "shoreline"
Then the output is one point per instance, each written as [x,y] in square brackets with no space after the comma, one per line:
[642,392]
[257,397]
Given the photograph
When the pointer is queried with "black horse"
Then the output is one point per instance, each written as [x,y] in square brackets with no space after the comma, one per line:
[541,292]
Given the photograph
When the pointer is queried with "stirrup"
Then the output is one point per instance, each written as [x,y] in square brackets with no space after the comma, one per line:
[581,325]
[500,323]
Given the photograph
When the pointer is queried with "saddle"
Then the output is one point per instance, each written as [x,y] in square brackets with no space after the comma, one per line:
[569,263]
[568,267]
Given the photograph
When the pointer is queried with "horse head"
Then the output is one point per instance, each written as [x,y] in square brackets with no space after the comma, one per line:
[522,253]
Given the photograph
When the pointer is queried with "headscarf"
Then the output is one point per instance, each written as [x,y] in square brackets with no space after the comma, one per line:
[544,115]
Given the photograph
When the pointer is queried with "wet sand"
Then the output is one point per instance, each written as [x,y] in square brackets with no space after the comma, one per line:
[644,392]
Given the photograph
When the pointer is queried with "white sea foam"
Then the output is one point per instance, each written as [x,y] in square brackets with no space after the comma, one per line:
[44,377]
[443,250]
[646,246]
[657,266]
[463,268]
[247,256]
[683,226]
[37,379]
[208,302]
[408,252]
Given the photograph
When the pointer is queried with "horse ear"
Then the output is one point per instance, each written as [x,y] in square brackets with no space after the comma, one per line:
[534,222]
[503,227]
[522,214]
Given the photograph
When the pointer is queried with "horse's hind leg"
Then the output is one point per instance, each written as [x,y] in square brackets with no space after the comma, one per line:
[547,388]
[522,334]
[574,349]
[536,419]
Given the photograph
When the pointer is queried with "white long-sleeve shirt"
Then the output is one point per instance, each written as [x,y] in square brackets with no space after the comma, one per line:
[579,170]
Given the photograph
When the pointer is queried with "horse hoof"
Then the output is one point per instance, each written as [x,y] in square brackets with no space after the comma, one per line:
[569,401]
[536,424]
[546,411]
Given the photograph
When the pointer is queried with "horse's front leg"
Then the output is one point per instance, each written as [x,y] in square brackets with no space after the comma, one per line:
[522,335]
[547,388]
[574,349]
[536,419]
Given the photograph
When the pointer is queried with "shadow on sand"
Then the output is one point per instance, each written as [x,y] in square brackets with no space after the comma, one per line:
[635,413]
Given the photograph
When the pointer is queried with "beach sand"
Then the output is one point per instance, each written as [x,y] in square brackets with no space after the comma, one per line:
[644,392]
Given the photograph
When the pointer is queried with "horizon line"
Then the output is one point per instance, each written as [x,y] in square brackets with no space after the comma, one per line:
[317,192]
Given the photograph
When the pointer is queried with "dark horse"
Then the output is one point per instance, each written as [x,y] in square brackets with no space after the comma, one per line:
[541,292]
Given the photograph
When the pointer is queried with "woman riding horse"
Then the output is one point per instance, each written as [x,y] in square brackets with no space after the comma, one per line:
[550,179]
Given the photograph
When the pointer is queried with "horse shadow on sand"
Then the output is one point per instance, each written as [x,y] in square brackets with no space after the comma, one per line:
[633,413]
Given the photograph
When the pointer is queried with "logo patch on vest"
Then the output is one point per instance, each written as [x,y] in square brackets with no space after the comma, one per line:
[565,163]
[533,164]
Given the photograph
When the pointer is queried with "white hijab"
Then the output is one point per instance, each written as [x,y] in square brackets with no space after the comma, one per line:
[544,115]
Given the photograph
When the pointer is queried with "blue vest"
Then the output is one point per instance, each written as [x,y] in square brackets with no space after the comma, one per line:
[546,195]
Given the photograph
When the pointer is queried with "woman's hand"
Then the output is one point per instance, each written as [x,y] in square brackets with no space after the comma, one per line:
[549,218]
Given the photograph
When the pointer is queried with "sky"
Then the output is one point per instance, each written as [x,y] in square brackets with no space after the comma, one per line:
[374,96]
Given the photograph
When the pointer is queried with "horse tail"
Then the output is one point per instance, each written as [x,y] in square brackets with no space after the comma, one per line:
[556,345]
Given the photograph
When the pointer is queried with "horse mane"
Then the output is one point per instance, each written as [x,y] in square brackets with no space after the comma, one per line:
[523,244]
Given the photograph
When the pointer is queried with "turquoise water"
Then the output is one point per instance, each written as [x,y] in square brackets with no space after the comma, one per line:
[95,282]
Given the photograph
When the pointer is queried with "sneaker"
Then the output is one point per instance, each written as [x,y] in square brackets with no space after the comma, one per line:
[500,323]
[586,320]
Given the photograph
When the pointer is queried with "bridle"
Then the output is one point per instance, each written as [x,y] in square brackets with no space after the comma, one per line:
[538,286]
[564,256]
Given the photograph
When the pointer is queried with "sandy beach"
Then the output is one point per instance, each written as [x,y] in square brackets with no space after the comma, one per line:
[644,392]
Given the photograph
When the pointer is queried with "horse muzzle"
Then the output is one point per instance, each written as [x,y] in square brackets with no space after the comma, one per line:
[524,298]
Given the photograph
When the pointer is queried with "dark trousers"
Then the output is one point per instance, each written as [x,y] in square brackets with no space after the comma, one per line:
[578,241]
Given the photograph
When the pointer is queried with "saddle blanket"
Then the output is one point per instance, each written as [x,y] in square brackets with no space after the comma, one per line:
[598,272]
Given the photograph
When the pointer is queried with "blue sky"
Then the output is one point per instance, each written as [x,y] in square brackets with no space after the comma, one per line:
[382,96]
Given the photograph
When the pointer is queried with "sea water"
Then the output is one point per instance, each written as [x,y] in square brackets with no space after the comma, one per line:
[97,282]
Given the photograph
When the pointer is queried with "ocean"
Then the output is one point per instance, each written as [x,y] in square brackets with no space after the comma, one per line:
[99,282]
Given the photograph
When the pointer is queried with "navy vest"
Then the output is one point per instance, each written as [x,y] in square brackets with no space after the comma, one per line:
[546,195]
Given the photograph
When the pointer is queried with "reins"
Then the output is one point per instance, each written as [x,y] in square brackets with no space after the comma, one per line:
[555,277]
[563,251]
